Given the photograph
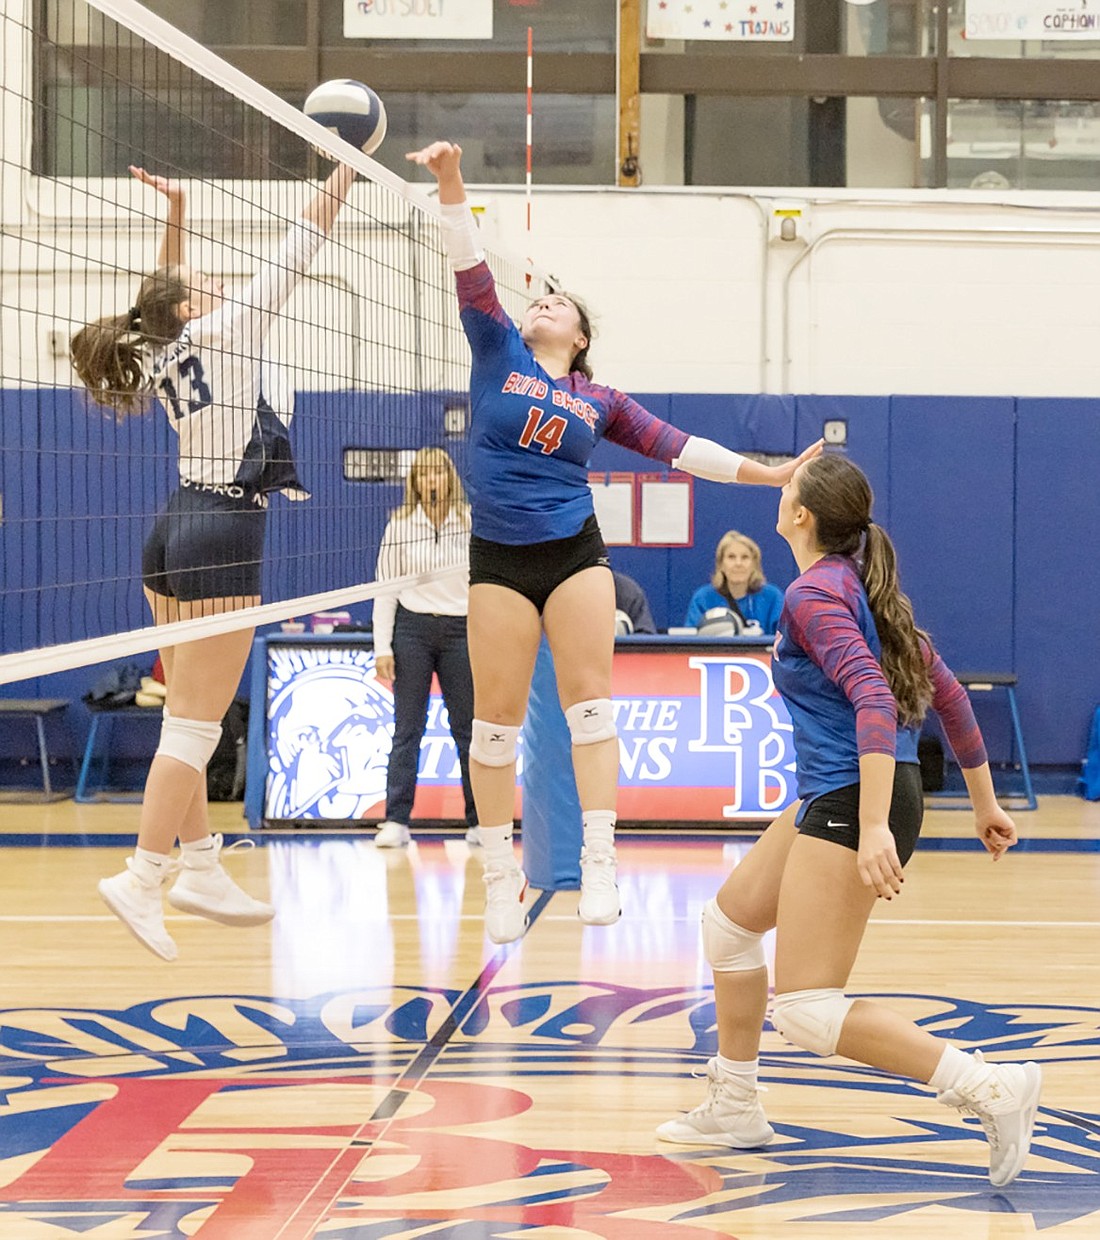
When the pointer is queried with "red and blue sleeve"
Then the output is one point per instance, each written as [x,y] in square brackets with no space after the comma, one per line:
[824,624]
[484,319]
[632,426]
[951,702]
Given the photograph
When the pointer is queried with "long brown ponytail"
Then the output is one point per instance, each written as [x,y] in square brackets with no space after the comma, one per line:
[838,494]
[110,354]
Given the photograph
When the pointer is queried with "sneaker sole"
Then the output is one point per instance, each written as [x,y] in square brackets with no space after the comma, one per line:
[1031,1110]
[713,1139]
[119,912]
[600,921]
[514,938]
[223,919]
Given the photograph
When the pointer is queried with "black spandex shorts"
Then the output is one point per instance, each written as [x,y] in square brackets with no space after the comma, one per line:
[835,815]
[208,543]
[535,570]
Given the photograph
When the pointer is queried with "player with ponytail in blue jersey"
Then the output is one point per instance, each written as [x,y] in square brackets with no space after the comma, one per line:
[203,356]
[857,676]
[537,561]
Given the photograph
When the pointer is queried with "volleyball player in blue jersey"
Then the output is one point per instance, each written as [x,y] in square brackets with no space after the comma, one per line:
[537,560]
[857,676]
[203,356]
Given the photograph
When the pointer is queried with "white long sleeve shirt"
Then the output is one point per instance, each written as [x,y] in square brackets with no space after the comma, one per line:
[410,546]
[211,379]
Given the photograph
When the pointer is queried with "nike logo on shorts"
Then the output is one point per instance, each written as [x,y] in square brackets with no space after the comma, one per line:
[830,823]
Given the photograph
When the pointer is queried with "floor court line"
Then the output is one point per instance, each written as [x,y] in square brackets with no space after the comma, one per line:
[895,921]
[336,1180]
[67,918]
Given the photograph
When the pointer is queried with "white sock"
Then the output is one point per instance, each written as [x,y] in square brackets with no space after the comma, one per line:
[496,845]
[953,1066]
[150,868]
[199,854]
[203,845]
[742,1071]
[599,828]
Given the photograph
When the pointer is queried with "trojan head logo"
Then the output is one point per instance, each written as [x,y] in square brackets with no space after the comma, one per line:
[330,730]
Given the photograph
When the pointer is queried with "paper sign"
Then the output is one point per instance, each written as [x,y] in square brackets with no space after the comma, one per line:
[418,19]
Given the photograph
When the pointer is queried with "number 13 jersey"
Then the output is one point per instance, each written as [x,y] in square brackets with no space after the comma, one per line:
[225,400]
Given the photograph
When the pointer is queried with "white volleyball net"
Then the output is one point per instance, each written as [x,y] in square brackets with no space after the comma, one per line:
[364,363]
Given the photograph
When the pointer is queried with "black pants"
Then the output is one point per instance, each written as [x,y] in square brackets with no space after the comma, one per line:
[424,644]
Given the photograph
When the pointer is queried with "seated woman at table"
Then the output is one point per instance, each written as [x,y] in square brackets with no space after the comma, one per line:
[738,583]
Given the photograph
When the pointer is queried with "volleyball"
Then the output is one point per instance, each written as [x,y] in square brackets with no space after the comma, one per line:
[350,109]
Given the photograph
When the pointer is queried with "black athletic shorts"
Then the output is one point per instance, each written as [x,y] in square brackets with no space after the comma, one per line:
[835,815]
[535,570]
[208,543]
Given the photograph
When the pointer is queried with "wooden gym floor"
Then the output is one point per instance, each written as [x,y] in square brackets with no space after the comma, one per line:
[370,1066]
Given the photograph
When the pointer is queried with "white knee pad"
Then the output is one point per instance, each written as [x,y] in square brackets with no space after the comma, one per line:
[730,948]
[493,744]
[812,1019]
[591,722]
[191,741]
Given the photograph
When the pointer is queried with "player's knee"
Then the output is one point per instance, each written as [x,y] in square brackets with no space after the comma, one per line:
[493,744]
[591,722]
[730,948]
[812,1019]
[191,741]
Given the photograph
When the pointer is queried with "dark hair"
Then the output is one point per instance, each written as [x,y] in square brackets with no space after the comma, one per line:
[109,354]
[838,494]
[580,362]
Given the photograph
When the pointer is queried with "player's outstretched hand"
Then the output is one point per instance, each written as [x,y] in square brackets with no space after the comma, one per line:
[782,474]
[170,189]
[440,159]
[878,863]
[996,831]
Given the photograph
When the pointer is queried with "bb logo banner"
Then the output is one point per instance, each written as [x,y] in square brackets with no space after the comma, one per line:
[701,738]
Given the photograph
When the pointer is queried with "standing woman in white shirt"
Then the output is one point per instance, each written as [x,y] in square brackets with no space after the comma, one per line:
[422,631]
[203,356]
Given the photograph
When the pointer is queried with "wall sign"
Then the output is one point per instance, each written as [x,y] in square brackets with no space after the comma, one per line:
[1032,19]
[741,21]
[418,19]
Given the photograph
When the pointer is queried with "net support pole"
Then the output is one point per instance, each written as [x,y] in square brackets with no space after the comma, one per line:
[628,91]
[552,825]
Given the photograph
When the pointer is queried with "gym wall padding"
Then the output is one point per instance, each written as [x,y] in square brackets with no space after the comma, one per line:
[1057,586]
[952,497]
[993,503]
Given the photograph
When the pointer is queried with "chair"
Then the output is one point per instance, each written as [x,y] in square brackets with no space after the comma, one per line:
[92,782]
[988,682]
[38,709]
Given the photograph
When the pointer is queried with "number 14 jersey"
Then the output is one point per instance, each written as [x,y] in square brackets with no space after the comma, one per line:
[531,436]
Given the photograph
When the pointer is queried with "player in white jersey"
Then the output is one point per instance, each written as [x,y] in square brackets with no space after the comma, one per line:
[201,354]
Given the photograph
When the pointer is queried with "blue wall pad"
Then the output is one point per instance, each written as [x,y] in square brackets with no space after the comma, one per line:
[991,501]
[552,828]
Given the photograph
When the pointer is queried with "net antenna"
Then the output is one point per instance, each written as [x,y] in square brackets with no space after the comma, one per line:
[364,360]
[530,86]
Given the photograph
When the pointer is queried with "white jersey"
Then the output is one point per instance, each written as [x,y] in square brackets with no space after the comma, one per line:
[412,545]
[226,402]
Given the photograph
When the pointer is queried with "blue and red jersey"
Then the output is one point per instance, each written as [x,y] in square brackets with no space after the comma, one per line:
[827,667]
[531,436]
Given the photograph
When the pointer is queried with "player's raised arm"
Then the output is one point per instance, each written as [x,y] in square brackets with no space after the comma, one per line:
[326,203]
[173,249]
[460,237]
